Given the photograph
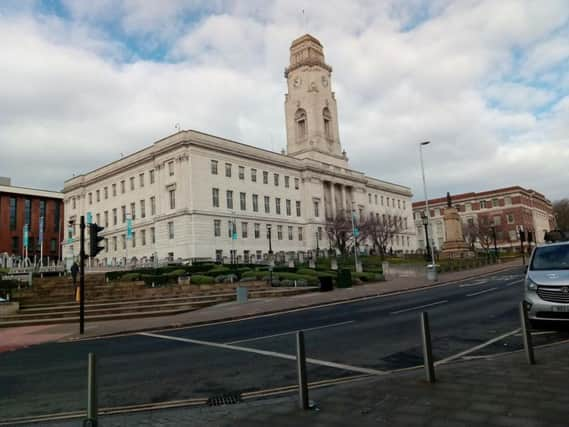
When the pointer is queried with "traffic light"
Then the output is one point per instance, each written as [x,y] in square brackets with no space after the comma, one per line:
[94,239]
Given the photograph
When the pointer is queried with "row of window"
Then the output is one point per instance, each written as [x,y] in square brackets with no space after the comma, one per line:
[214,167]
[389,202]
[255,202]
[106,192]
[232,231]
[137,237]
[388,219]
[33,245]
[468,207]
[13,213]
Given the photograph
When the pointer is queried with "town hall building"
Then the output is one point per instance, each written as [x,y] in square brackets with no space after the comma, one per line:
[194,196]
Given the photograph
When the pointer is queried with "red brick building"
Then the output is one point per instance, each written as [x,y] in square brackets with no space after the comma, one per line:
[503,211]
[20,206]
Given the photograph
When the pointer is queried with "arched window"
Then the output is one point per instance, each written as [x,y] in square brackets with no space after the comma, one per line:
[327,118]
[300,119]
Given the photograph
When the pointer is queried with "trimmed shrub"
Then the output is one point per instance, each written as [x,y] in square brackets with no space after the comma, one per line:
[157,280]
[257,275]
[198,279]
[130,277]
[307,271]
[312,280]
[176,273]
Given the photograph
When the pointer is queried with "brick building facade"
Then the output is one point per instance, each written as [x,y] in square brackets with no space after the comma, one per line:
[504,210]
[20,206]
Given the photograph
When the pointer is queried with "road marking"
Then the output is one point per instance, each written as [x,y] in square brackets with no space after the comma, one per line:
[514,283]
[476,283]
[267,353]
[481,292]
[478,347]
[419,307]
[331,325]
[540,333]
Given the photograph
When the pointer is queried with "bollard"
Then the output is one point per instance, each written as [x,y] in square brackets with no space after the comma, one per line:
[91,420]
[301,366]
[427,349]
[526,334]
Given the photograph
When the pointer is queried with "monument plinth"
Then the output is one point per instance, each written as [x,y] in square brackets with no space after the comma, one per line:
[454,245]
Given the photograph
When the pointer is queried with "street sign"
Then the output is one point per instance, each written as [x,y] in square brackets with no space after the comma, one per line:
[89,218]
[129,229]
[356,232]
[40,234]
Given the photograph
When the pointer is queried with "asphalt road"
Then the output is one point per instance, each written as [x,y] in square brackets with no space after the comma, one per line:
[380,334]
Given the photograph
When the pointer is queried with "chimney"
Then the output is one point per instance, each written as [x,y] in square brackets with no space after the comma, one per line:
[5,181]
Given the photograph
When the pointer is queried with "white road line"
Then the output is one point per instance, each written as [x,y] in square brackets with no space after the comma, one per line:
[267,353]
[476,348]
[481,292]
[419,307]
[514,283]
[331,325]
[540,333]
[477,283]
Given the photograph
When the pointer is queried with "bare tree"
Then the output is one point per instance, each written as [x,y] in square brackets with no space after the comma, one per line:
[470,232]
[485,235]
[341,233]
[561,212]
[381,231]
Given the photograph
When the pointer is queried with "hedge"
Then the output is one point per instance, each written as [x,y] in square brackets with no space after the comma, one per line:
[367,276]
[130,277]
[311,280]
[198,279]
[157,280]
[176,273]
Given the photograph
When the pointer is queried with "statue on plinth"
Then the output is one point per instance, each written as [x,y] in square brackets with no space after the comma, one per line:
[454,245]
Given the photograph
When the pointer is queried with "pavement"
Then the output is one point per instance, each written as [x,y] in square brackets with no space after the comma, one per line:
[19,337]
[497,391]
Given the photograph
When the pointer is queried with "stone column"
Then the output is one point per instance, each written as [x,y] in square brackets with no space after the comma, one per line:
[333,196]
[345,200]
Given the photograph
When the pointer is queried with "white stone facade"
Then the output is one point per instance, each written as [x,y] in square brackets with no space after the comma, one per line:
[177,190]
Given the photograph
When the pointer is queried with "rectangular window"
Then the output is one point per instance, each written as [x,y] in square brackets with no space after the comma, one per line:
[151,174]
[115,216]
[278,205]
[215,197]
[243,201]
[298,212]
[115,243]
[265,177]
[123,240]
[287,181]
[171,168]
[510,219]
[229,199]
[133,211]
[28,213]
[133,238]
[13,210]
[300,234]
[153,235]
[255,203]
[244,232]
[228,170]
[241,172]
[296,183]
[253,175]
[216,227]
[276,176]
[279,232]
[497,220]
[123,211]
[375,198]
[369,197]
[106,219]
[257,228]
[114,187]
[42,212]
[495,203]
[319,233]
[90,197]
[98,193]
[172,199]
[483,204]
[288,207]
[398,204]
[290,236]
[57,216]
[171,230]
[142,209]
[267,204]
[508,201]
[131,180]
[143,237]
[213,167]
[230,229]
[316,209]
[123,189]
[74,202]
[141,179]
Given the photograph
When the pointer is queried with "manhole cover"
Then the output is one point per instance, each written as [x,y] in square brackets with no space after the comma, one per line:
[224,399]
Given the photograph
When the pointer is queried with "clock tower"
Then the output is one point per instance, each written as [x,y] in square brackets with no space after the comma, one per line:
[310,105]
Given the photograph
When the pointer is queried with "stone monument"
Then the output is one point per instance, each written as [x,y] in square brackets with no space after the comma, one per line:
[454,245]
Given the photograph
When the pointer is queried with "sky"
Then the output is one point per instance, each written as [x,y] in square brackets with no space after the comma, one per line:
[487,82]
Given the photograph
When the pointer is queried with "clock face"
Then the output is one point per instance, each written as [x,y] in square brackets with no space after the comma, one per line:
[324,81]
[297,81]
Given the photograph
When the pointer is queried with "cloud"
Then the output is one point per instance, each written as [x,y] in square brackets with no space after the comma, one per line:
[485,81]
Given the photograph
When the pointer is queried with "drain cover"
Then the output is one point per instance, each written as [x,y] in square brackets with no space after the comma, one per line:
[224,399]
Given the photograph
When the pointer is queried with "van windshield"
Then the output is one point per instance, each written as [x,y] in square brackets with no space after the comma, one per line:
[551,258]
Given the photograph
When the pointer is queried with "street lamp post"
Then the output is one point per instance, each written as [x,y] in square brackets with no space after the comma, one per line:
[426,220]
[426,225]
[355,234]
[317,245]
[270,255]
[494,237]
